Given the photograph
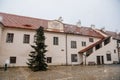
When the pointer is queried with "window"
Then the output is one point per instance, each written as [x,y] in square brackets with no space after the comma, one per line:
[83,43]
[35,38]
[98,46]
[55,40]
[73,44]
[91,40]
[107,41]
[108,57]
[74,57]
[114,51]
[89,52]
[26,38]
[49,59]
[12,59]
[10,37]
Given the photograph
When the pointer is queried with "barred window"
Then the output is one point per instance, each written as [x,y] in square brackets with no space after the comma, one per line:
[83,43]
[55,40]
[49,59]
[108,57]
[10,37]
[73,44]
[12,59]
[26,38]
[91,40]
[74,57]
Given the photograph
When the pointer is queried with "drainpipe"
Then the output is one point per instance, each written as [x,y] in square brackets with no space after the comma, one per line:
[66,49]
[118,50]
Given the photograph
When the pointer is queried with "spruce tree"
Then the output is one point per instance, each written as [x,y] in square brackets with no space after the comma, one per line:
[37,60]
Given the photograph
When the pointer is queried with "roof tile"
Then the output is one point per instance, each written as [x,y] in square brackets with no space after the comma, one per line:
[15,21]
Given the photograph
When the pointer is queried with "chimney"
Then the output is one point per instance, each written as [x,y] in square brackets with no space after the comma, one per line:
[103,29]
[1,18]
[92,26]
[78,23]
[60,19]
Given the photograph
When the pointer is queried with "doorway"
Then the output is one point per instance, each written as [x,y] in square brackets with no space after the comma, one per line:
[100,60]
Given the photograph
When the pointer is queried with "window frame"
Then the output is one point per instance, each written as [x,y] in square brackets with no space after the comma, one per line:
[13,59]
[83,43]
[108,56]
[73,44]
[74,58]
[49,59]
[55,41]
[10,38]
[26,38]
[91,40]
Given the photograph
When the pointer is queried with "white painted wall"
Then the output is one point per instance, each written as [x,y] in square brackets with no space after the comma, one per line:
[57,52]
[17,48]
[79,40]
[102,52]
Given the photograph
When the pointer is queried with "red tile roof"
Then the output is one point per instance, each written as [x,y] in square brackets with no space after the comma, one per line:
[15,21]
[93,45]
[113,34]
[86,31]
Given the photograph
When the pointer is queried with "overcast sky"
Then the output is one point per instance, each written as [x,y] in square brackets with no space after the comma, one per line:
[101,13]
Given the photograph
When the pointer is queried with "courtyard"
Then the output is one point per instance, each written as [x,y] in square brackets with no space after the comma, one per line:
[101,72]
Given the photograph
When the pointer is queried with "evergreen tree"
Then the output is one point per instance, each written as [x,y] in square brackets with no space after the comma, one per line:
[37,61]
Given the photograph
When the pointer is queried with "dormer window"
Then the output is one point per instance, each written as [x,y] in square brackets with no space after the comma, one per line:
[27,25]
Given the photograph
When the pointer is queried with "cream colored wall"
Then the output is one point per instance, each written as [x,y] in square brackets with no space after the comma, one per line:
[17,48]
[103,51]
[79,40]
[21,50]
[57,52]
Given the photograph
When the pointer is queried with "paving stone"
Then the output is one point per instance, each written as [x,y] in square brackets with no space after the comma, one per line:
[102,72]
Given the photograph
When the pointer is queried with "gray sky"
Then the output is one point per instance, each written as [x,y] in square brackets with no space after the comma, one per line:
[102,13]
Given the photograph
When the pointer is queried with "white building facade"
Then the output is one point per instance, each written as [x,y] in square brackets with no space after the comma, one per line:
[66,44]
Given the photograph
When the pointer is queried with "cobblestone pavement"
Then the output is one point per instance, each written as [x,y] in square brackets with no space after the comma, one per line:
[102,72]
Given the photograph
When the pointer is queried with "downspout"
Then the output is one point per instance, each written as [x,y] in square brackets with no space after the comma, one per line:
[118,50]
[66,49]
